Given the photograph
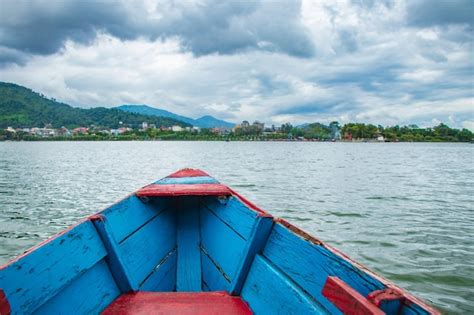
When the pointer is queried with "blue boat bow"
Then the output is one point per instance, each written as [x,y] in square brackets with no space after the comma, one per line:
[189,244]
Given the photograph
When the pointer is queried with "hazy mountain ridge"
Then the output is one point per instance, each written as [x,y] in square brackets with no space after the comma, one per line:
[23,107]
[206,121]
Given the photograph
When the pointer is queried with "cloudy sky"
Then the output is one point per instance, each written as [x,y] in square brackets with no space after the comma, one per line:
[388,62]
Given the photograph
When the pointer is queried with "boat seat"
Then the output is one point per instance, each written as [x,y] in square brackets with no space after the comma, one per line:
[177,303]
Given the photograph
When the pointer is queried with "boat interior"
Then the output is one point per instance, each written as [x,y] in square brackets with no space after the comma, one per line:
[213,254]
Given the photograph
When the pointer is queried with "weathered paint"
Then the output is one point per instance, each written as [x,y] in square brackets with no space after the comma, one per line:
[188,277]
[250,204]
[135,245]
[255,244]
[187,180]
[310,264]
[145,248]
[31,281]
[163,276]
[221,242]
[412,305]
[233,213]
[377,297]
[114,260]
[92,292]
[269,291]
[131,213]
[213,276]
[188,172]
[348,300]
[178,303]
[174,190]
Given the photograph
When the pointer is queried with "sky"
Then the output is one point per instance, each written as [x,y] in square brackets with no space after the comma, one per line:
[384,62]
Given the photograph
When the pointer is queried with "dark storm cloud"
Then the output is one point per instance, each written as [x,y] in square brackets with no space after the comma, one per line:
[425,13]
[41,27]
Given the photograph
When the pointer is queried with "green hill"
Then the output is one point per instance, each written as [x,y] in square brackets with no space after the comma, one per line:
[22,107]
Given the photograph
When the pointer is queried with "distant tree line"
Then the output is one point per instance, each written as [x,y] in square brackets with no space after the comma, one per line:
[361,131]
[413,133]
[21,107]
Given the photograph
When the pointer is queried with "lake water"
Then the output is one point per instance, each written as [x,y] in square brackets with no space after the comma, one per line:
[403,209]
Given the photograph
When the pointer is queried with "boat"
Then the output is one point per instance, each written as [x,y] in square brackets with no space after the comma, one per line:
[187,244]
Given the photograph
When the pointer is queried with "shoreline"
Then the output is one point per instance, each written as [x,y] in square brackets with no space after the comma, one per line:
[224,140]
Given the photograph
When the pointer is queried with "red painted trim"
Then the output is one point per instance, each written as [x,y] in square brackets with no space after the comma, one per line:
[178,303]
[97,217]
[4,304]
[157,190]
[299,231]
[389,294]
[408,297]
[188,172]
[348,300]
[261,212]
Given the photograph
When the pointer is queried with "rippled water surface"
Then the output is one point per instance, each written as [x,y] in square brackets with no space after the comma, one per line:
[405,210]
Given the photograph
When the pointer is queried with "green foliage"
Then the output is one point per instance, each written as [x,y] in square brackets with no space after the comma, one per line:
[411,133]
[22,107]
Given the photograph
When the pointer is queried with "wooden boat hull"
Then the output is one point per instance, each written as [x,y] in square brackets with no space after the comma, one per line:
[188,238]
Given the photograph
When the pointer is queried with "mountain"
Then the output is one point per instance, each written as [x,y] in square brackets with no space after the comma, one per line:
[22,107]
[151,111]
[203,122]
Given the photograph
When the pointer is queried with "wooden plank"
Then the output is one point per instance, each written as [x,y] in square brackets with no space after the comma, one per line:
[163,276]
[32,280]
[187,180]
[234,213]
[145,248]
[131,213]
[348,300]
[269,291]
[309,265]
[212,277]
[90,293]
[156,190]
[254,245]
[221,243]
[188,277]
[189,303]
[113,258]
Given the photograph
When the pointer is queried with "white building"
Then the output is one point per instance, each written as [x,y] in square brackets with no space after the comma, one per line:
[176,128]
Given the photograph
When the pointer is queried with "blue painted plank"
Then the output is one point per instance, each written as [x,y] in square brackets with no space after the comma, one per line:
[212,277]
[188,277]
[254,245]
[145,248]
[221,243]
[113,258]
[268,291]
[163,276]
[234,213]
[131,213]
[187,180]
[29,282]
[90,293]
[309,265]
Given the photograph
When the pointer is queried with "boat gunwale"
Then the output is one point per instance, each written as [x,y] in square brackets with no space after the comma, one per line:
[409,298]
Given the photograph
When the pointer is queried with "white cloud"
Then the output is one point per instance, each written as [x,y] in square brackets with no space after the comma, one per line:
[368,65]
